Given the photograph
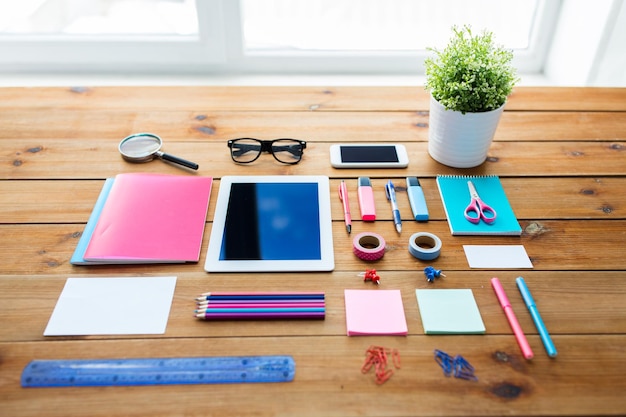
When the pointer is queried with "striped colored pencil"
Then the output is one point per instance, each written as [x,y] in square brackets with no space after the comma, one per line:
[253,293]
[260,296]
[260,310]
[260,305]
[267,301]
[260,316]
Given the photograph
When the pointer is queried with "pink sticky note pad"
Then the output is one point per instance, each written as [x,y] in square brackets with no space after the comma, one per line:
[375,312]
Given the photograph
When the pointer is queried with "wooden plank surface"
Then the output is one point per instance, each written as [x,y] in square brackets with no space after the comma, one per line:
[559,151]
[71,201]
[194,98]
[57,159]
[556,292]
[329,380]
[331,371]
[346,126]
[590,246]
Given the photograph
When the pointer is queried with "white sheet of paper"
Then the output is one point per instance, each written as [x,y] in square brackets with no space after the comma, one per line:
[497,256]
[97,306]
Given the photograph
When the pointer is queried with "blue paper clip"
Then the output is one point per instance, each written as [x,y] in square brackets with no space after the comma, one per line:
[457,366]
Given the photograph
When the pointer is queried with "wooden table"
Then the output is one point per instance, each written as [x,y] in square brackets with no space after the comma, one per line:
[561,155]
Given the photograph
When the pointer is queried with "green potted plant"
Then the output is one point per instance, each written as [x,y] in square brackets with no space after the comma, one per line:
[469,82]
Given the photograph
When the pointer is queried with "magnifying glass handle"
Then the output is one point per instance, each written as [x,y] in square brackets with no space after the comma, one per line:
[177,160]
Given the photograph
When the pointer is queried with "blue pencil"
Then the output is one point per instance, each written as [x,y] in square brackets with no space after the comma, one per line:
[534,313]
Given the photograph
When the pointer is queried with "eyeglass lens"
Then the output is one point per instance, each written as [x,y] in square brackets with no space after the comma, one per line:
[288,151]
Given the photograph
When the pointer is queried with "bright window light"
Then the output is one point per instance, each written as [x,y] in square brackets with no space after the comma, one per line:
[261,36]
[98,17]
[379,25]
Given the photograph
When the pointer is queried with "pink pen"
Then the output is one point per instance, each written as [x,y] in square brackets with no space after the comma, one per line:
[343,196]
[510,315]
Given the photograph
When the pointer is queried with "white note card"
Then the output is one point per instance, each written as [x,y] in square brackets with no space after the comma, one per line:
[108,306]
[497,256]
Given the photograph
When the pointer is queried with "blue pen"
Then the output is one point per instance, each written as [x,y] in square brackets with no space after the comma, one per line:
[541,327]
[390,190]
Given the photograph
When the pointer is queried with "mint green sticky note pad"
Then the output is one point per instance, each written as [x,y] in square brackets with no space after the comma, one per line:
[449,311]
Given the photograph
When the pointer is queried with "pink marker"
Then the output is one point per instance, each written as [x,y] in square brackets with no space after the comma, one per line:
[366,199]
[510,315]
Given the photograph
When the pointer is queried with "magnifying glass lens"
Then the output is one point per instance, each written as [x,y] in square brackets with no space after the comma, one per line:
[143,147]
[140,146]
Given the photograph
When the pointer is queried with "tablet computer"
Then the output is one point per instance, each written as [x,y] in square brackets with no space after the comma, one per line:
[271,223]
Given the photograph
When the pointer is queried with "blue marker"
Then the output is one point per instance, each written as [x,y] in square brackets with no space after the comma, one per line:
[416,199]
[530,303]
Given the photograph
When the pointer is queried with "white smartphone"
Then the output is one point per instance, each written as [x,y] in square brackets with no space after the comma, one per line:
[368,155]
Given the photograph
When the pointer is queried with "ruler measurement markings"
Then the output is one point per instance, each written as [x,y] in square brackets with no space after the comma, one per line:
[158,371]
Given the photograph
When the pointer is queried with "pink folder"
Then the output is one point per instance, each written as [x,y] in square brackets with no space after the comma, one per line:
[375,312]
[149,218]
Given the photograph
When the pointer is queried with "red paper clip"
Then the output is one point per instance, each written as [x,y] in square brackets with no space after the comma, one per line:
[376,356]
[395,355]
[382,377]
[369,362]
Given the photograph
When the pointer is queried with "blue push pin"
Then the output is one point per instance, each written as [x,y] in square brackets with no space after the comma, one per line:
[432,273]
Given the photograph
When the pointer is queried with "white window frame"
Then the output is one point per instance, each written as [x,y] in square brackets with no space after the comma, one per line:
[219,50]
[110,54]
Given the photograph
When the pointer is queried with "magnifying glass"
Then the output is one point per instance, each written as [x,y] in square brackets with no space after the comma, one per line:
[144,147]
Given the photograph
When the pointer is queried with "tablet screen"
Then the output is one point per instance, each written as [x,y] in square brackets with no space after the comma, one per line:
[271,223]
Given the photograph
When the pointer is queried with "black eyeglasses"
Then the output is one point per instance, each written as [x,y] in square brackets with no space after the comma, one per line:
[286,151]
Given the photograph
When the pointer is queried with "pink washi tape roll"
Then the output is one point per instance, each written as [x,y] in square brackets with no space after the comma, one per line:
[369,246]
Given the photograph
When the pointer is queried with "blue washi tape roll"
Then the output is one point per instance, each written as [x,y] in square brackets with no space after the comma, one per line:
[424,246]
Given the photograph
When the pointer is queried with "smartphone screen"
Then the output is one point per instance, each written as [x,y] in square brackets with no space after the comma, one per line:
[369,154]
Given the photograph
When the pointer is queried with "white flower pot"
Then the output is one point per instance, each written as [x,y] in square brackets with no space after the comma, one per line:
[460,140]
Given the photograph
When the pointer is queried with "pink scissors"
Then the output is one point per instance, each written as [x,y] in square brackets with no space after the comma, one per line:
[478,209]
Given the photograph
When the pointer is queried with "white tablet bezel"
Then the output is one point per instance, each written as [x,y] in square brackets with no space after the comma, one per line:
[337,162]
[326,263]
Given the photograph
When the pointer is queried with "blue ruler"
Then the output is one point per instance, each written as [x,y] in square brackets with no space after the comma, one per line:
[158,371]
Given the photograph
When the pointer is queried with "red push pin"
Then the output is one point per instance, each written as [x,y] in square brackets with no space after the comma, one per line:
[370,275]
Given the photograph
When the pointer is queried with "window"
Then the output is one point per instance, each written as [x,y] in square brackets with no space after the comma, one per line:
[385,35]
[259,36]
[99,18]
[110,35]
[378,25]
